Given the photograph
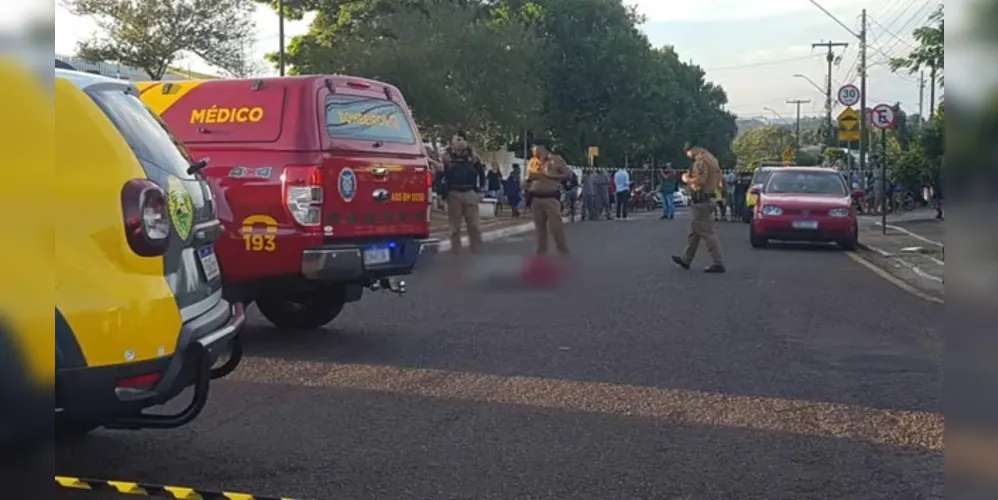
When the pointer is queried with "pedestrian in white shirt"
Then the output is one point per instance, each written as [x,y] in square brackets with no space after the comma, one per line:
[622,180]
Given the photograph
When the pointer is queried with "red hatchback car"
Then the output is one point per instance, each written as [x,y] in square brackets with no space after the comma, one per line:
[805,204]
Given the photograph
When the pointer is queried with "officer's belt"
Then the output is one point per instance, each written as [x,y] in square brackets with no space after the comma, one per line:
[699,196]
[545,194]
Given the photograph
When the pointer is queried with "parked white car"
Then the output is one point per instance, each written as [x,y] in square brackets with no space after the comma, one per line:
[680,198]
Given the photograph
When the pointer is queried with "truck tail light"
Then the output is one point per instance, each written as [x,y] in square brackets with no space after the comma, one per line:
[303,194]
[147,217]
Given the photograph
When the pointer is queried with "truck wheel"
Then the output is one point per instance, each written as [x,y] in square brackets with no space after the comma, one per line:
[306,311]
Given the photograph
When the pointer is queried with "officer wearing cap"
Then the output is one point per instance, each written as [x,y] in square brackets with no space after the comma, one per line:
[704,180]
[464,181]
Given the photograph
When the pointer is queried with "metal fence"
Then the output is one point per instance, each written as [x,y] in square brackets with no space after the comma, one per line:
[120,71]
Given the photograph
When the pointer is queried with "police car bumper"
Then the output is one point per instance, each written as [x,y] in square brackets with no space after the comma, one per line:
[115,396]
[367,261]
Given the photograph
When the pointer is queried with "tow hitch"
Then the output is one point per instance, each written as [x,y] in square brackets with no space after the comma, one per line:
[389,284]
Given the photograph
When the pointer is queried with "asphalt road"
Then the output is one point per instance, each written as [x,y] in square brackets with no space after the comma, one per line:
[799,374]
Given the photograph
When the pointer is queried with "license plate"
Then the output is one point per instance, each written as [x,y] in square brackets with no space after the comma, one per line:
[805,224]
[209,263]
[374,256]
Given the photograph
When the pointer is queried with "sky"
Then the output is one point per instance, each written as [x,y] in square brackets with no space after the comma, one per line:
[752,48]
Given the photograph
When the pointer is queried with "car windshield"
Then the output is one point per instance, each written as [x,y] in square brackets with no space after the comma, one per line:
[760,177]
[799,182]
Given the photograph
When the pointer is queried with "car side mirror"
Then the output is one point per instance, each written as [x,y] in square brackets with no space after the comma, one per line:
[754,191]
[858,194]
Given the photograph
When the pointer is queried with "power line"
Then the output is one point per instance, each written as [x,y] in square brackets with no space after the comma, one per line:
[764,63]
[892,35]
[901,14]
[887,7]
[918,14]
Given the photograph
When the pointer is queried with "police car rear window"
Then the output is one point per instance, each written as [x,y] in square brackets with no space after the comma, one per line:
[145,133]
[367,119]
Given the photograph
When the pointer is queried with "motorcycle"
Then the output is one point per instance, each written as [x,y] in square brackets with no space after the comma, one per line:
[655,201]
[639,199]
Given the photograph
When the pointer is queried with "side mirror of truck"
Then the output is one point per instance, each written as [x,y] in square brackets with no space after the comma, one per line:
[754,191]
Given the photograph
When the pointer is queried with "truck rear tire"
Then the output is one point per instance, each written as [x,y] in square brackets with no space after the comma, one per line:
[302,311]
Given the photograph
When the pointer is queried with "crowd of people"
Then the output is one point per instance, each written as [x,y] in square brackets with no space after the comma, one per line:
[549,183]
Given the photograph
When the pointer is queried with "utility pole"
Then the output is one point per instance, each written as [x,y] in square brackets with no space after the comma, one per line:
[830,58]
[921,96]
[798,102]
[932,94]
[863,126]
[280,35]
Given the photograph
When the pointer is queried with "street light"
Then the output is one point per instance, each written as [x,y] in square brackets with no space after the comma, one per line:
[815,85]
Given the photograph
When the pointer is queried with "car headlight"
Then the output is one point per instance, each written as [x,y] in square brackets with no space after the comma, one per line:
[771,210]
[839,212]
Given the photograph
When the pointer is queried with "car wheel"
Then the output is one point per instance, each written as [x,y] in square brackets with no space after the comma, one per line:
[306,311]
[850,244]
[757,241]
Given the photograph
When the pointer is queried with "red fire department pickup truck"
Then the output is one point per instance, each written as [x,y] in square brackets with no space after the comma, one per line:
[322,185]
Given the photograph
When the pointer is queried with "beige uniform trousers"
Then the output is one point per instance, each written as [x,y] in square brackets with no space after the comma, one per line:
[702,230]
[547,220]
[463,206]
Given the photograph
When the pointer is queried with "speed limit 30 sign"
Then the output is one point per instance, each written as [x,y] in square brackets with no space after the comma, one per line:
[883,116]
[849,95]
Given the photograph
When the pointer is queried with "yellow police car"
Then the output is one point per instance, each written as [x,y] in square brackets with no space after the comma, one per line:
[139,313]
[759,178]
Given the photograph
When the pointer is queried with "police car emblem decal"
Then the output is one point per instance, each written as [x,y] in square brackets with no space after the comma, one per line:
[348,184]
[181,207]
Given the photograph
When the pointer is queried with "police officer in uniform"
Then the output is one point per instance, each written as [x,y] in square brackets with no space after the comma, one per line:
[464,181]
[544,176]
[704,180]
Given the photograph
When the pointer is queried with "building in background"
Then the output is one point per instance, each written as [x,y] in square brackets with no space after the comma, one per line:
[123,72]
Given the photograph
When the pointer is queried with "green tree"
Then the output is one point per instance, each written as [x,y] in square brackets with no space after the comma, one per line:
[579,72]
[152,35]
[807,158]
[929,51]
[762,144]
[457,66]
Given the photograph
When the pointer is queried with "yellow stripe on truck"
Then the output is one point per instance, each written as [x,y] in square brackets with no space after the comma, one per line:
[160,96]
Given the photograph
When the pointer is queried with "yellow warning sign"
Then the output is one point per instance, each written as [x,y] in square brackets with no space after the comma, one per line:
[848,125]
[788,156]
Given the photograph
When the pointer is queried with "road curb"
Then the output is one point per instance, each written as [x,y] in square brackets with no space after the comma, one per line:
[913,235]
[915,269]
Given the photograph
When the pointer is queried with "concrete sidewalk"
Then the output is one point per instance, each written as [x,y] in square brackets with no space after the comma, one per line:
[912,249]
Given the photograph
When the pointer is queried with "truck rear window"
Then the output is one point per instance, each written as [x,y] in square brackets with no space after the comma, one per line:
[367,119]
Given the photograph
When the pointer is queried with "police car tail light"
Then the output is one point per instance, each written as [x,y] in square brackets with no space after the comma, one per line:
[303,194]
[147,217]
